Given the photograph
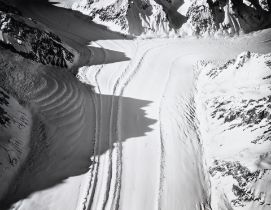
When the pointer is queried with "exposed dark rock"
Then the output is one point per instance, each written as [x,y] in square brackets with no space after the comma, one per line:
[240,17]
[226,17]
[25,37]
[4,119]
[244,179]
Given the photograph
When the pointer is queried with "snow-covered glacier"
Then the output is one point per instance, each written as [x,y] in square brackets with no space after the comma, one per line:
[135,105]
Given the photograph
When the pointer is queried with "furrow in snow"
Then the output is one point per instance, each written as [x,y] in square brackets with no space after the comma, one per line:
[93,182]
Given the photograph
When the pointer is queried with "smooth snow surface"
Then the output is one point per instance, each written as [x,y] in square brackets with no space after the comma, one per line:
[147,149]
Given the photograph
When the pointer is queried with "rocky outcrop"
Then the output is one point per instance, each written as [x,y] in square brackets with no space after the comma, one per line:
[240,16]
[243,179]
[31,40]
[226,17]
[127,16]
[181,17]
[4,119]
[234,110]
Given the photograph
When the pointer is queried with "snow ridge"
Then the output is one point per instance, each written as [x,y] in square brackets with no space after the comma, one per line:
[152,18]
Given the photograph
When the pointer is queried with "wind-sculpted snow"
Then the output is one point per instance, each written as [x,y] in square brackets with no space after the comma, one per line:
[127,132]
[235,123]
[132,142]
[47,132]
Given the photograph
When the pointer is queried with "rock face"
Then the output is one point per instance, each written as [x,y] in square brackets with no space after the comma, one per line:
[235,16]
[31,40]
[130,17]
[181,17]
[4,119]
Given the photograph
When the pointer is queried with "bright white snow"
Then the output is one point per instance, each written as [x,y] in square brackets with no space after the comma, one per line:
[234,113]
[147,149]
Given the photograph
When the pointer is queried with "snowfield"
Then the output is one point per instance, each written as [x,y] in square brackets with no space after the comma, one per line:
[137,132]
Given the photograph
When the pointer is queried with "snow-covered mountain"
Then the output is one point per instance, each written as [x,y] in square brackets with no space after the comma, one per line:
[234,109]
[179,17]
[174,123]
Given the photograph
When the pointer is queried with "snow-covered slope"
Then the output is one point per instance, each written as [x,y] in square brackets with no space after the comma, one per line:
[129,137]
[44,123]
[15,131]
[179,17]
[234,109]
[131,17]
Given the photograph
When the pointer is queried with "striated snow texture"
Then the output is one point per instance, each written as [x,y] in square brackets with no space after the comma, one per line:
[141,126]
[234,108]
[45,128]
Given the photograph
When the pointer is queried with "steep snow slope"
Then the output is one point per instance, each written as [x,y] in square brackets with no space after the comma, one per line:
[133,17]
[46,133]
[179,17]
[234,108]
[15,131]
[139,128]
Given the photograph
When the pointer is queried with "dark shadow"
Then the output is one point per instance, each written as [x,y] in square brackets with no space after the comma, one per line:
[137,12]
[106,56]
[63,21]
[132,116]
[133,17]
[175,19]
[67,157]
[251,19]
[74,28]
